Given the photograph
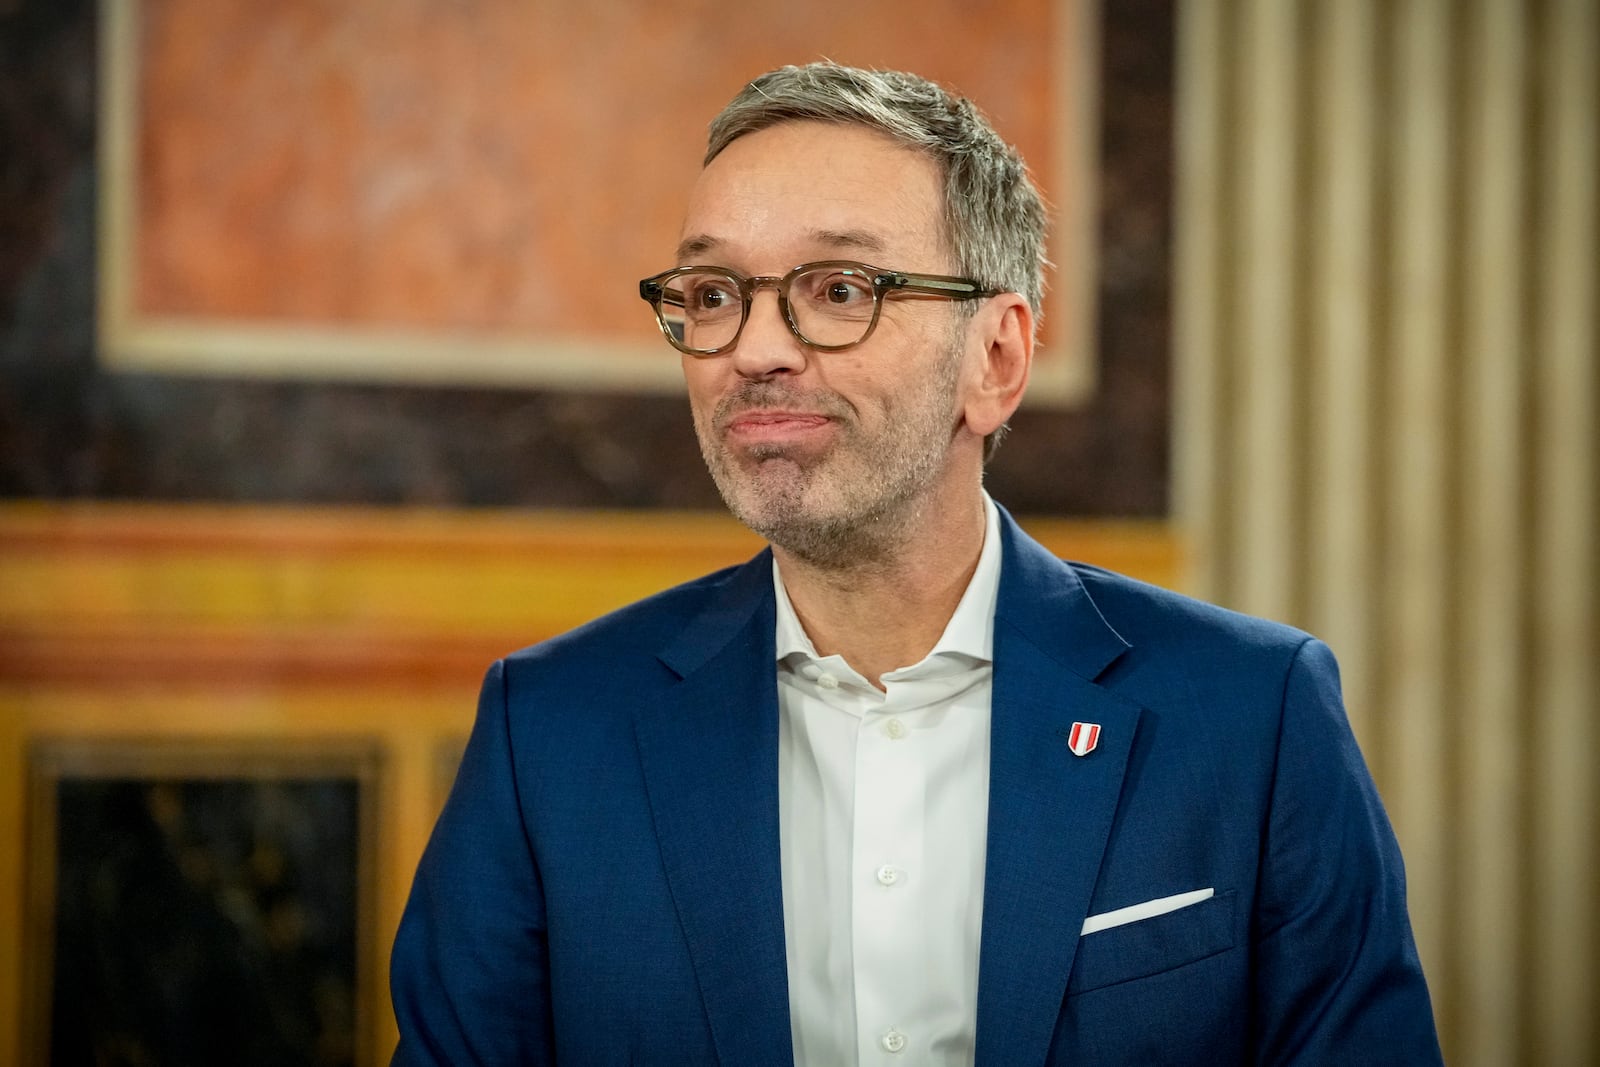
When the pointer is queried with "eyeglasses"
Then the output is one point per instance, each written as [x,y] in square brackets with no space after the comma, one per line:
[829,306]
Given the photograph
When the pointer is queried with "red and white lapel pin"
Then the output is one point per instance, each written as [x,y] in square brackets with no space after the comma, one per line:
[1083,738]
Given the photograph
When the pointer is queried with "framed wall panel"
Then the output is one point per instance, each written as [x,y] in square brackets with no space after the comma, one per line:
[464,193]
[200,901]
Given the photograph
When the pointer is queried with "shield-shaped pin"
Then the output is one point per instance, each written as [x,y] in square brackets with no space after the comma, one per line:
[1084,736]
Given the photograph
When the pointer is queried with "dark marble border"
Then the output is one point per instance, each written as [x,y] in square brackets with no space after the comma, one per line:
[70,430]
[182,895]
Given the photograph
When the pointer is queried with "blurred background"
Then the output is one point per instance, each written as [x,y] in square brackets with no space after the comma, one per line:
[323,383]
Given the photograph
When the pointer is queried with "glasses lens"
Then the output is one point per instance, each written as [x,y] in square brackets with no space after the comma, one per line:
[833,305]
[702,309]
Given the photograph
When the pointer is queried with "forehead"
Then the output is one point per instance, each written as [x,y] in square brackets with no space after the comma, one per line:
[813,190]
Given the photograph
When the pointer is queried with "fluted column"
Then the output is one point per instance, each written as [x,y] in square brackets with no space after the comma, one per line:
[1387,432]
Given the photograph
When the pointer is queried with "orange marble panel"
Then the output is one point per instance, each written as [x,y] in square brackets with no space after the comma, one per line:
[508,167]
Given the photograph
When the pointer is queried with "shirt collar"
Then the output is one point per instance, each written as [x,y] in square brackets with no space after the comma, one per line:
[968,634]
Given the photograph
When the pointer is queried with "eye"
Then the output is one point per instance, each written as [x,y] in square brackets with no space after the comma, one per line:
[708,293]
[838,289]
[840,293]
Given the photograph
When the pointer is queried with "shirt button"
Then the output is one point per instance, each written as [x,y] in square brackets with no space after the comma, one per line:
[827,681]
[893,1041]
[888,875]
[895,729]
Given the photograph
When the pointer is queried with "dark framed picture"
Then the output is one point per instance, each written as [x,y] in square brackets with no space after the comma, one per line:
[200,902]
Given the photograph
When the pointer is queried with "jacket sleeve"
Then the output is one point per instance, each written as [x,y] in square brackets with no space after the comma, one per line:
[1337,976]
[470,972]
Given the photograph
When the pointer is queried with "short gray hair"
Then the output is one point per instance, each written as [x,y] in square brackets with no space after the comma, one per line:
[995,219]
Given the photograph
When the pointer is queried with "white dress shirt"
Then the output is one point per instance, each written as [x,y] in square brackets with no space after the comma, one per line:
[883,803]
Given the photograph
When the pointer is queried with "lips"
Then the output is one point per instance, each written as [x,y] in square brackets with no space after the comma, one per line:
[766,424]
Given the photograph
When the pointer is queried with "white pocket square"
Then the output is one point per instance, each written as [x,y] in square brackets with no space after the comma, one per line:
[1148,910]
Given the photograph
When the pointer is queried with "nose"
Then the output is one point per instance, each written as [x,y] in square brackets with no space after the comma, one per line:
[767,346]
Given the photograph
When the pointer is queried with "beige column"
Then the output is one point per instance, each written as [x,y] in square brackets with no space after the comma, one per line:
[1387,432]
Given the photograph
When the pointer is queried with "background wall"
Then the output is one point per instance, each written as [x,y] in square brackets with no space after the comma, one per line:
[226,601]
[71,429]
[1383,428]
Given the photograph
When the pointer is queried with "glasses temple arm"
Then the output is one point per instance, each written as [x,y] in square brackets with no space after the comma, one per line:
[655,292]
[933,285]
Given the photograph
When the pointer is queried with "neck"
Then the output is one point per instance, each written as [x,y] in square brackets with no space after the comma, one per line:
[889,610]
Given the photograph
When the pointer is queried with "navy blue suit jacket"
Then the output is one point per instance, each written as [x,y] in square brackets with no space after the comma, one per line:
[603,886]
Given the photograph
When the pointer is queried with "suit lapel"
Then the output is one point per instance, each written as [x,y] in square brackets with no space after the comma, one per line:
[709,751]
[1050,811]
[709,747]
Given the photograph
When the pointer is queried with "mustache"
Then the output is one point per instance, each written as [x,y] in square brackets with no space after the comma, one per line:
[753,395]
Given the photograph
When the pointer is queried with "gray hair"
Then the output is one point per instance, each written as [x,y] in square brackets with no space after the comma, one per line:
[995,219]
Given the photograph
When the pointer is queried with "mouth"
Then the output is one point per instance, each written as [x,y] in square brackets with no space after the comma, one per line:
[775,426]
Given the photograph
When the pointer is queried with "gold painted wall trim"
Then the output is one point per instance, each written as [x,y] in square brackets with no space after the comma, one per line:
[248,594]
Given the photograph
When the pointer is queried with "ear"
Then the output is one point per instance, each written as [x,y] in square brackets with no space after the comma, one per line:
[1002,333]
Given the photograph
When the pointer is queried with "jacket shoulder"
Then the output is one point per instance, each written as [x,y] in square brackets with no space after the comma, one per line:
[1150,615]
[637,632]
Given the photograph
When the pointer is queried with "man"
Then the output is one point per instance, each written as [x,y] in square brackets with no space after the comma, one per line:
[904,788]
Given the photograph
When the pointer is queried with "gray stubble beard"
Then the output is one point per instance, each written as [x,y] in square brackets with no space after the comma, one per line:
[869,529]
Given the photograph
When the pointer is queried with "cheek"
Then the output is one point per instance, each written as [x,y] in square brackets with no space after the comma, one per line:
[898,378]
[703,385]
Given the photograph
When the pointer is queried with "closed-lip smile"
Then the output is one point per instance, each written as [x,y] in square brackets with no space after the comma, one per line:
[774,423]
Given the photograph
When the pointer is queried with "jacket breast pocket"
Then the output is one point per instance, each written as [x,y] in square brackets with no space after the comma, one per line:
[1153,946]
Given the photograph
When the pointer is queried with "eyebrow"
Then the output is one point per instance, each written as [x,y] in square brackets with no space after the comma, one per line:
[690,247]
[863,240]
[841,240]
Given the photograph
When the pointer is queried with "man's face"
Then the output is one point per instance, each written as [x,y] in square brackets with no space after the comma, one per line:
[827,454]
